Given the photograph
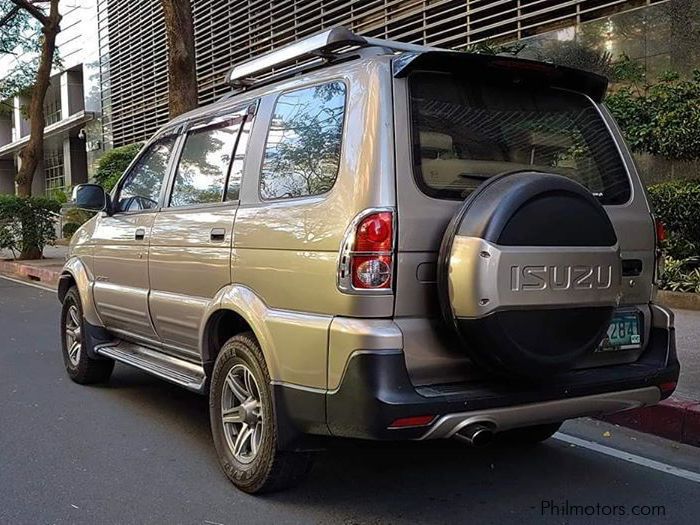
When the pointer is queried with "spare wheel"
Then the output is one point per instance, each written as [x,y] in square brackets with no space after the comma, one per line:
[529,273]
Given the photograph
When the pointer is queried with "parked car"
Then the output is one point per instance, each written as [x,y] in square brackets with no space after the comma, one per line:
[382,241]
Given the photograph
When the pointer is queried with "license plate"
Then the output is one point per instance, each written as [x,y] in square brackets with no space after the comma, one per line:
[623,333]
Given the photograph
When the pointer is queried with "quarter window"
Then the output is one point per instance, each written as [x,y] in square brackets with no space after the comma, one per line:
[204,163]
[302,153]
[141,187]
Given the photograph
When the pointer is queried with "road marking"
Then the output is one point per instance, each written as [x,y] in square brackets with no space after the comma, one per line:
[629,457]
[34,285]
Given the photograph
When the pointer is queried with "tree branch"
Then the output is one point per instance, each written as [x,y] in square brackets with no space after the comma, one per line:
[9,16]
[33,10]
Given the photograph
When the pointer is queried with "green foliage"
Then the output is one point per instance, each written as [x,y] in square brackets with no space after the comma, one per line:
[676,204]
[661,119]
[27,224]
[69,229]
[489,47]
[113,164]
[678,277]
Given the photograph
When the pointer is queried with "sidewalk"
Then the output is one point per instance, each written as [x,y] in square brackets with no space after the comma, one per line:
[45,271]
[677,418]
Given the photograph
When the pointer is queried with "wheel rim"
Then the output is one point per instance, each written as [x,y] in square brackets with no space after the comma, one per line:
[74,340]
[242,413]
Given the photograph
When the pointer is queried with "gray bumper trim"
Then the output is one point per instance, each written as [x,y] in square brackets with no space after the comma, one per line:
[506,418]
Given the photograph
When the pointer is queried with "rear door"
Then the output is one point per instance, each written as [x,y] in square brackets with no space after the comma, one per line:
[190,248]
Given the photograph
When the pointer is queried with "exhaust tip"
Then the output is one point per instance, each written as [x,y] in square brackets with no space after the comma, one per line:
[476,435]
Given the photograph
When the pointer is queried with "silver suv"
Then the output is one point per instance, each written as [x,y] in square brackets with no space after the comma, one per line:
[377,240]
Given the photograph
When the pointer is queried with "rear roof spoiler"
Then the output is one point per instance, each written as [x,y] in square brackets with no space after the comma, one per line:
[498,66]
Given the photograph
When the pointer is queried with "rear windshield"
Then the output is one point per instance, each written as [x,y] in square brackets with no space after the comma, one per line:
[465,131]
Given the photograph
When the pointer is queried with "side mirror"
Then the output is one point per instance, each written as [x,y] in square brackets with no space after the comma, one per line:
[91,197]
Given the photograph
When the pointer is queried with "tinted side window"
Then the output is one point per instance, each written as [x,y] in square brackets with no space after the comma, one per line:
[302,153]
[204,163]
[141,187]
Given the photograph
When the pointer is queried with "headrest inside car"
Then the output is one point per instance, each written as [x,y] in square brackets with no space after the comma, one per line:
[435,141]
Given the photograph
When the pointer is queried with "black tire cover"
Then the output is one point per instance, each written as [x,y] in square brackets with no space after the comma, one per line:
[531,209]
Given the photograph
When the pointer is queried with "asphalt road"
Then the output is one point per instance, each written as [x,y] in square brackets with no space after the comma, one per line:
[138,450]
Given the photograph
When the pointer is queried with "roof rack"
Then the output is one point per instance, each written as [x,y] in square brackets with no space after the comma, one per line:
[328,45]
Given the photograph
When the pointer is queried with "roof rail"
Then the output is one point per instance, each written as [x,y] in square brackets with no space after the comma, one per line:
[327,45]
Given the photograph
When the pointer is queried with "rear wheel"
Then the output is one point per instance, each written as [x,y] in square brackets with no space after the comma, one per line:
[530,435]
[80,366]
[243,421]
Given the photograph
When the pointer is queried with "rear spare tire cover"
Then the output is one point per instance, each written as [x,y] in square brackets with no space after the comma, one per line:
[529,273]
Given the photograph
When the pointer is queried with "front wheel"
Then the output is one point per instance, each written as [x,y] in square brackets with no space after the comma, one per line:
[80,366]
[243,422]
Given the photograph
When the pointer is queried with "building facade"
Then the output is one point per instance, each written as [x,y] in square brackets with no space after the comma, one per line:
[114,87]
[72,108]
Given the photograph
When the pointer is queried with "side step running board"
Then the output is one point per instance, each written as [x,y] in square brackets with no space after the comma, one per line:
[178,371]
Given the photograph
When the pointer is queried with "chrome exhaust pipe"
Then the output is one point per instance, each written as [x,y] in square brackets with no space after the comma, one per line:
[476,435]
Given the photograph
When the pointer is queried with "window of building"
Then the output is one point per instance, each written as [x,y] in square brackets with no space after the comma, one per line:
[140,190]
[204,164]
[302,154]
[54,173]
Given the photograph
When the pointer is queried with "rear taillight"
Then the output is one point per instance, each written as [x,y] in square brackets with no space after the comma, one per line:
[660,232]
[367,256]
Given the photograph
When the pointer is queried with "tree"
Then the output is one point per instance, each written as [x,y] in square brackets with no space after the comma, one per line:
[17,19]
[182,75]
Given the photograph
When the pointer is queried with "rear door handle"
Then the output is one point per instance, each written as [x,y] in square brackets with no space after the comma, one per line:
[140,234]
[217,234]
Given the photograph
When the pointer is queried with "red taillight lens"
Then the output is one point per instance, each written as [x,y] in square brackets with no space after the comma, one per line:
[660,231]
[367,259]
[375,233]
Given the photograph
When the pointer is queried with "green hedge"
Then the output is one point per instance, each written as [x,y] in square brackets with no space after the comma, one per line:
[27,224]
[677,205]
[113,164]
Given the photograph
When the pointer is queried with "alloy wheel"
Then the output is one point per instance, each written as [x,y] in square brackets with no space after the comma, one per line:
[73,335]
[242,413]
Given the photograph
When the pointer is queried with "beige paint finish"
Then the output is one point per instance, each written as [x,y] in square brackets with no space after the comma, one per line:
[287,250]
[187,267]
[294,344]
[121,272]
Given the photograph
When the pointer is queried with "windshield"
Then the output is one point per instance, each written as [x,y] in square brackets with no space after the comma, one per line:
[465,131]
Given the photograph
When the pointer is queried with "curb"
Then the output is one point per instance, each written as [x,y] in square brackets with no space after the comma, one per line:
[674,418]
[681,300]
[45,276]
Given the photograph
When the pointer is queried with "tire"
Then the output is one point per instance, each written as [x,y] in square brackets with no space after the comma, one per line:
[240,385]
[81,368]
[530,435]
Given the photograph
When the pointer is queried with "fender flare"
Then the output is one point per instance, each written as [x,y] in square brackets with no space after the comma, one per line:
[75,271]
[243,302]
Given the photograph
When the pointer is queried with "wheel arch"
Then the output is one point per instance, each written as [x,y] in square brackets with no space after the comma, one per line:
[236,309]
[75,273]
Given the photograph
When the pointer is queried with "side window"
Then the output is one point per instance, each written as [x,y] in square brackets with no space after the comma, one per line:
[204,163]
[141,187]
[302,153]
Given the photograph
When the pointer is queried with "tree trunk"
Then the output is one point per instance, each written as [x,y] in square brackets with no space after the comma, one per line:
[33,153]
[182,75]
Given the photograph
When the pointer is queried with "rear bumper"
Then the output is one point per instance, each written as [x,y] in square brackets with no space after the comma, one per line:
[375,391]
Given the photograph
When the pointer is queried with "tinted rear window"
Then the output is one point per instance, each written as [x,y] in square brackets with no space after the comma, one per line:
[465,131]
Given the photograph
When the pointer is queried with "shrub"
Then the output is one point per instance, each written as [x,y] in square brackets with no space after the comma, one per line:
[661,119]
[27,224]
[675,203]
[678,277]
[113,164]
[69,229]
